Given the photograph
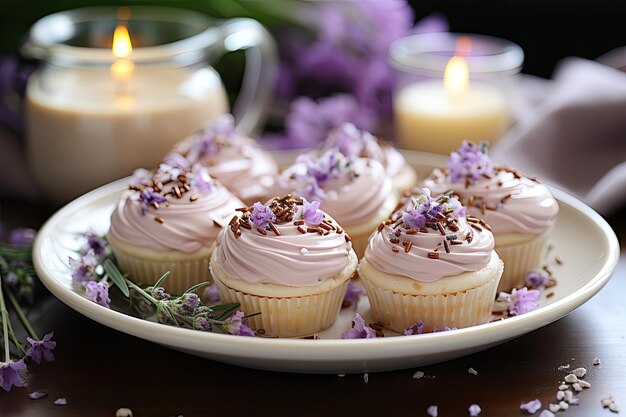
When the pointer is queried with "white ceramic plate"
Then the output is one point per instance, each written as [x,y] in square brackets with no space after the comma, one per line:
[582,238]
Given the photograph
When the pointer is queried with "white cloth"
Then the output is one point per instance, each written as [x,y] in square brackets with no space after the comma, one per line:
[571,131]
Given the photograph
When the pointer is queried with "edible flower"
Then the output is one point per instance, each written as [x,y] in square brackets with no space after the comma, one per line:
[262,215]
[311,212]
[470,162]
[359,330]
[39,349]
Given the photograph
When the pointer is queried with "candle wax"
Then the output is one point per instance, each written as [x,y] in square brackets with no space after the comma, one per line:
[86,129]
[430,119]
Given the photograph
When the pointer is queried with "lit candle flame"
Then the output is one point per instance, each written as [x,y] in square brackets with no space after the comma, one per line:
[456,76]
[122,47]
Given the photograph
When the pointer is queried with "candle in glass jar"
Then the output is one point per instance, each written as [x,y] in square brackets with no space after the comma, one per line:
[436,116]
[110,121]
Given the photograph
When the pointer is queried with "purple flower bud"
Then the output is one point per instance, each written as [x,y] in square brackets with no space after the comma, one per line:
[84,268]
[523,301]
[236,325]
[176,160]
[159,293]
[312,214]
[353,293]
[262,215]
[94,242]
[10,374]
[415,328]
[22,237]
[39,349]
[202,180]
[536,279]
[98,292]
[359,330]
[201,323]
[188,304]
[211,294]
[469,161]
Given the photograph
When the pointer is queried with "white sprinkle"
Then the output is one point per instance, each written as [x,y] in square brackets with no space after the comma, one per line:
[472,371]
[563,387]
[418,375]
[432,411]
[570,378]
[60,401]
[562,367]
[560,395]
[596,361]
[304,251]
[584,384]
[531,407]
[563,405]
[568,396]
[579,372]
[554,407]
[474,410]
[613,407]
[341,375]
[366,377]
[124,412]
[606,400]
[577,387]
[546,413]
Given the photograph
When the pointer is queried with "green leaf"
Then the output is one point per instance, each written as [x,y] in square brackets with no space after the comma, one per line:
[116,276]
[227,311]
[219,307]
[160,280]
[197,286]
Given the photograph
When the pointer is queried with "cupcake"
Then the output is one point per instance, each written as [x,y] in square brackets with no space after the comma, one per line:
[357,192]
[233,159]
[430,263]
[289,261]
[168,220]
[520,210]
[355,143]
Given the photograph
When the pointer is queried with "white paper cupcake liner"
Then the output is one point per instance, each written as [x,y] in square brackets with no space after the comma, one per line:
[289,316]
[183,274]
[461,309]
[519,259]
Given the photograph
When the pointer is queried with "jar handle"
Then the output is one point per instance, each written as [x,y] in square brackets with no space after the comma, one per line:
[252,105]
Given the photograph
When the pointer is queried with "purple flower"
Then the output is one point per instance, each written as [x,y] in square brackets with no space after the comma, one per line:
[98,292]
[474,410]
[423,208]
[159,293]
[84,269]
[22,237]
[536,279]
[310,122]
[531,407]
[216,133]
[39,349]
[359,330]
[35,395]
[236,325]
[202,180]
[211,294]
[523,301]
[201,323]
[95,243]
[177,160]
[353,142]
[148,198]
[187,304]
[262,215]
[415,328]
[311,212]
[470,161]
[432,411]
[353,293]
[10,374]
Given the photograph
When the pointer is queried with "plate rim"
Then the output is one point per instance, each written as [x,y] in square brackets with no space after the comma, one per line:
[188,338]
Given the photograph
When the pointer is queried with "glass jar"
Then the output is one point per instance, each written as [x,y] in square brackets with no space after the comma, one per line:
[450,87]
[93,116]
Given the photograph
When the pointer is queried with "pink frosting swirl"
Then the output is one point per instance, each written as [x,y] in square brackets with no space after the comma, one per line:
[353,199]
[233,159]
[184,224]
[512,203]
[291,258]
[415,264]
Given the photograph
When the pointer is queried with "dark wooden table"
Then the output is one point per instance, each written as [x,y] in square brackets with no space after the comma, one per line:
[99,370]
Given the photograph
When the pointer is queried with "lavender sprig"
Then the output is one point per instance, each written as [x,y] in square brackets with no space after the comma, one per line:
[470,163]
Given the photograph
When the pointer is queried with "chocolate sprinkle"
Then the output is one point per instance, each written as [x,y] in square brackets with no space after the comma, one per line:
[159,219]
[433,255]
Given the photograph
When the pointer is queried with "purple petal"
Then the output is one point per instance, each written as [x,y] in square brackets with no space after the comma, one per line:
[531,407]
[35,395]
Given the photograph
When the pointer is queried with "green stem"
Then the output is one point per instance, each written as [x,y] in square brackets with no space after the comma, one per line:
[20,314]
[141,291]
[5,326]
